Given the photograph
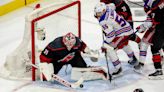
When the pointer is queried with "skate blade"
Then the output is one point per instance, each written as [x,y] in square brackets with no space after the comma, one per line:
[116,76]
[159,77]
[140,71]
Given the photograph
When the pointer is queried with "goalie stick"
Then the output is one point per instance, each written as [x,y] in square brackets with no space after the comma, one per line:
[62,81]
[68,84]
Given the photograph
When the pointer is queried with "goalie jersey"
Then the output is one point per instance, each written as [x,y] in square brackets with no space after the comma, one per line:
[114,25]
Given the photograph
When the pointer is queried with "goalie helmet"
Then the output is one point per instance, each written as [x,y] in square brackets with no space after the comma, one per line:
[69,40]
[99,9]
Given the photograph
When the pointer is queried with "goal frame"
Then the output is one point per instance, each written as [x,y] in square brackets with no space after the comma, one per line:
[44,16]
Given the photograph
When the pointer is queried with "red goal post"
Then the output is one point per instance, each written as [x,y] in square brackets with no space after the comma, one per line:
[45,15]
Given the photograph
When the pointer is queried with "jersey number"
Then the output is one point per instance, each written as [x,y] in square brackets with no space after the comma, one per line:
[120,21]
[105,27]
[46,52]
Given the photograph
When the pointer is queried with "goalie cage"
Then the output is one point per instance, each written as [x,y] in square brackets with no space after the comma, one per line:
[56,20]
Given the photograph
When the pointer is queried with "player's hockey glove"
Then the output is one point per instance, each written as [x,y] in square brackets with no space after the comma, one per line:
[141,28]
[67,58]
[103,49]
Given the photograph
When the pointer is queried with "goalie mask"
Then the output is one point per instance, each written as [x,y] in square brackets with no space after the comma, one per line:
[69,40]
[99,9]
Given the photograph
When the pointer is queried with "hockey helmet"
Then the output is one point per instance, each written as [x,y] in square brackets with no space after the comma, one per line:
[69,40]
[99,9]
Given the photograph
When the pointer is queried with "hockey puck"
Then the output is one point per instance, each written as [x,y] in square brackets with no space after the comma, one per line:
[81,86]
[138,90]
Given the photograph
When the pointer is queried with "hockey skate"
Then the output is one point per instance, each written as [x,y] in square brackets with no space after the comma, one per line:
[157,75]
[133,61]
[117,73]
[139,67]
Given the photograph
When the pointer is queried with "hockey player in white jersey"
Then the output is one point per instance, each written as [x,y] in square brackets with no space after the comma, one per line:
[117,32]
[147,38]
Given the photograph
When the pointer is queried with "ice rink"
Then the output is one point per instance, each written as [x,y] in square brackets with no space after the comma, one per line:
[11,32]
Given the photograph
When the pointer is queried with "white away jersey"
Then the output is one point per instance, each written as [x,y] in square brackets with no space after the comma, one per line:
[114,25]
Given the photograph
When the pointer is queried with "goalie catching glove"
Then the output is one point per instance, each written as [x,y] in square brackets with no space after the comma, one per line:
[92,54]
[95,55]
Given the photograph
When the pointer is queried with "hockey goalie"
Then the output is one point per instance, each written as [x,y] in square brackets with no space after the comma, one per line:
[67,50]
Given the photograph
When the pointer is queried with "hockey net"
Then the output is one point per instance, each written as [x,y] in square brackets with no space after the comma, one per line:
[50,22]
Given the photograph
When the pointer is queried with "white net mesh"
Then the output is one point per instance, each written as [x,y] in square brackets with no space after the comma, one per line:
[54,20]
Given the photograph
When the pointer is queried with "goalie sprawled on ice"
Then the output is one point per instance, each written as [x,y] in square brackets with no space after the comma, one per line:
[67,50]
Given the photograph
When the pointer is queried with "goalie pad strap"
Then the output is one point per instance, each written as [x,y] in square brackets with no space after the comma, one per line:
[47,70]
[92,73]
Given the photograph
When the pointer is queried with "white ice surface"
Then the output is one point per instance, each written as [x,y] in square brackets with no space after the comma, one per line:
[11,33]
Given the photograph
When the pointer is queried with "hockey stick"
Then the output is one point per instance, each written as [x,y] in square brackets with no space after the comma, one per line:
[68,84]
[151,10]
[135,3]
[160,5]
[64,82]
[110,76]
[139,21]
